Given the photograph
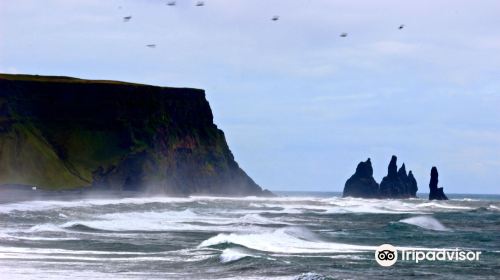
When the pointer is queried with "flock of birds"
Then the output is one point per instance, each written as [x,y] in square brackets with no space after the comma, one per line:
[201,4]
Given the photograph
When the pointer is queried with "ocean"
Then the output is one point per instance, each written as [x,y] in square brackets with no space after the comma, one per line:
[292,236]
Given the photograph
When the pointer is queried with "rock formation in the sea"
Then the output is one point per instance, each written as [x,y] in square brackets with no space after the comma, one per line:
[66,133]
[435,192]
[391,185]
[409,187]
[362,184]
[397,184]
[412,185]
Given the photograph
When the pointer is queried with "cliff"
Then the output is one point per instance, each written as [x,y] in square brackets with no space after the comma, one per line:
[66,133]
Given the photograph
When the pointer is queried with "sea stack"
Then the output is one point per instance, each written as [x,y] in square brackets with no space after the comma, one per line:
[412,183]
[398,184]
[362,184]
[409,187]
[435,193]
[391,185]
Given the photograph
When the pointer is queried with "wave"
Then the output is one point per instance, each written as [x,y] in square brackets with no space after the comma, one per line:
[287,205]
[426,222]
[493,207]
[344,205]
[45,227]
[82,228]
[284,240]
[234,254]
[256,219]
[185,220]
[443,205]
[311,276]
[43,205]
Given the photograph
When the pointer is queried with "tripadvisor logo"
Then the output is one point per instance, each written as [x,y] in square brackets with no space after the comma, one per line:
[387,255]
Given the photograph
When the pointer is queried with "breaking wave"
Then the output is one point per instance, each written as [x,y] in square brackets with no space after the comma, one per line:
[233,254]
[285,240]
[426,222]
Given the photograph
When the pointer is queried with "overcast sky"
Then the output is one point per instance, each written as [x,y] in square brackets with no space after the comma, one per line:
[300,106]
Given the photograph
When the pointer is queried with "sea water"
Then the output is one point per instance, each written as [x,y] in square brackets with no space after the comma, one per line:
[292,236]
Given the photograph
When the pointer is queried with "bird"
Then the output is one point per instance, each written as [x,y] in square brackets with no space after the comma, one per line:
[151,46]
[275,18]
[200,4]
[401,26]
[171,3]
[126,19]
[343,35]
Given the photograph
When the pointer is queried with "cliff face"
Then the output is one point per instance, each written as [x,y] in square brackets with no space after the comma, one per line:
[65,133]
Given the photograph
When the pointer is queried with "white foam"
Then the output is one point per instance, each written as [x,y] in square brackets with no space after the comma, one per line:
[288,205]
[443,205]
[427,222]
[233,254]
[42,205]
[5,236]
[45,227]
[257,219]
[284,240]
[186,220]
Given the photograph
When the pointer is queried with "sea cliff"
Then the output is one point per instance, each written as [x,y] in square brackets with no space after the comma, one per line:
[65,133]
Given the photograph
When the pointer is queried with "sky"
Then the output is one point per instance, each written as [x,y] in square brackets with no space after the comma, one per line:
[300,106]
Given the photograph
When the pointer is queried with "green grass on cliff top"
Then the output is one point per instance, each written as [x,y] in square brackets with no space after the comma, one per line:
[64,79]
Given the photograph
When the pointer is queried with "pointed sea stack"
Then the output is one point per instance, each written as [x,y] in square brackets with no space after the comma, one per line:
[404,188]
[392,186]
[435,193]
[362,184]
[398,184]
[409,187]
[412,183]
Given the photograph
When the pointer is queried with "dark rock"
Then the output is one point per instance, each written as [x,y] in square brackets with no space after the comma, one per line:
[362,183]
[412,185]
[409,187]
[404,188]
[398,184]
[435,193]
[392,186]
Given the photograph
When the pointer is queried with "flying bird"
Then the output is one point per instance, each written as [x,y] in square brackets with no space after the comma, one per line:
[200,4]
[401,26]
[275,18]
[171,3]
[343,35]
[126,19]
[151,46]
